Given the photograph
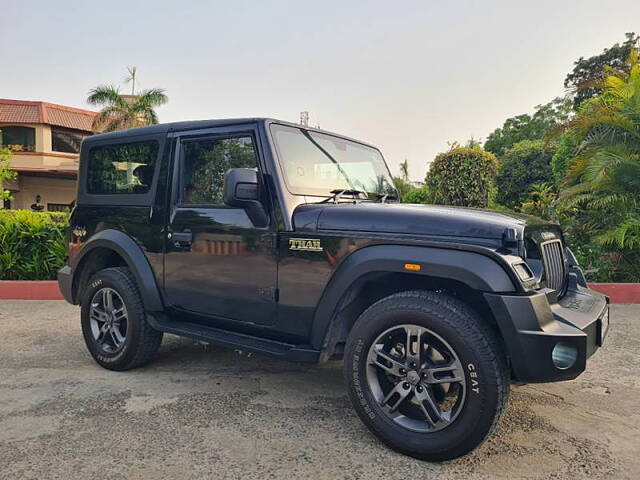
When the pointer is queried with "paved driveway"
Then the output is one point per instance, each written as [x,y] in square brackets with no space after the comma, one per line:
[203,412]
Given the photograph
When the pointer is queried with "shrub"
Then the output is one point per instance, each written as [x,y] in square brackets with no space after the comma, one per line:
[524,164]
[417,195]
[32,244]
[463,176]
[402,186]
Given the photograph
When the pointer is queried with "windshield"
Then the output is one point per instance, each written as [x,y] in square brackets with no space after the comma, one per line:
[316,163]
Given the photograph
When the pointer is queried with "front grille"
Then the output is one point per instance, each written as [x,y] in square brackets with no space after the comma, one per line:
[554,268]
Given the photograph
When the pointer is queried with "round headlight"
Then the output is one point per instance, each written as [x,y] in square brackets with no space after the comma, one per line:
[564,355]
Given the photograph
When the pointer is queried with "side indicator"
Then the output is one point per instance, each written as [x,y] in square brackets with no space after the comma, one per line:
[413,267]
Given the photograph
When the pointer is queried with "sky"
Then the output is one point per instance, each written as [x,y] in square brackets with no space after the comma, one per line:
[407,76]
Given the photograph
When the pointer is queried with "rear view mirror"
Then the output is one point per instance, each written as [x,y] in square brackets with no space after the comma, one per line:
[241,189]
[240,186]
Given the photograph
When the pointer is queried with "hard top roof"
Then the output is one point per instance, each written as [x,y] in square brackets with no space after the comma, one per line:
[164,128]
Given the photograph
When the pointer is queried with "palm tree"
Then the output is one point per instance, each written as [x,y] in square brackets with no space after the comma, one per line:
[540,201]
[131,78]
[605,175]
[125,111]
[404,170]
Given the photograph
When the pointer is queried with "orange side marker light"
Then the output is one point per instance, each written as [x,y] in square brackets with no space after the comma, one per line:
[413,267]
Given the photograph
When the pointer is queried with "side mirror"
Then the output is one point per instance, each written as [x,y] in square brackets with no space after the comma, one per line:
[241,190]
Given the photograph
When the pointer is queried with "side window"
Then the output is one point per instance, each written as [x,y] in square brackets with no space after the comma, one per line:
[204,164]
[66,140]
[122,169]
[18,139]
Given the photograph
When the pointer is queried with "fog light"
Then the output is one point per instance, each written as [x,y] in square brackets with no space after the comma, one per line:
[564,355]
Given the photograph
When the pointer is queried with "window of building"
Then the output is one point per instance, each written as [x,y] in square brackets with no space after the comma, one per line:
[66,140]
[58,207]
[122,169]
[204,164]
[18,139]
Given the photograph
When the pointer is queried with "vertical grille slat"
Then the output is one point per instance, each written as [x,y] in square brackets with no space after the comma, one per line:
[553,259]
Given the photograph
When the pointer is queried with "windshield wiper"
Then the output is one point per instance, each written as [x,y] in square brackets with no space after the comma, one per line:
[337,194]
[383,197]
[328,155]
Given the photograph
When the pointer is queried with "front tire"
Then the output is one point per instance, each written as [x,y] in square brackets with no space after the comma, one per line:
[426,374]
[114,323]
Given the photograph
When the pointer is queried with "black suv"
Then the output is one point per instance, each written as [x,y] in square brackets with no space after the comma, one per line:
[271,237]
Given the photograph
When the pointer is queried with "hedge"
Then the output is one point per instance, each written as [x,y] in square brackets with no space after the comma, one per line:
[417,195]
[32,244]
[462,177]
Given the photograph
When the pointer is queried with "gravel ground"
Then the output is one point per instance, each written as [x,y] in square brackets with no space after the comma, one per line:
[200,411]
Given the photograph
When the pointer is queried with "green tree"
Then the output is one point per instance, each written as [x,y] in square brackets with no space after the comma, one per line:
[565,151]
[544,120]
[463,176]
[586,78]
[524,164]
[5,174]
[603,181]
[125,111]
[540,201]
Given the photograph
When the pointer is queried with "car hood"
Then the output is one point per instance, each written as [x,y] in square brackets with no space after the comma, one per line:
[428,220]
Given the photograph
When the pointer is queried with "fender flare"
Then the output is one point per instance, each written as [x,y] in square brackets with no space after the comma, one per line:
[477,270]
[135,259]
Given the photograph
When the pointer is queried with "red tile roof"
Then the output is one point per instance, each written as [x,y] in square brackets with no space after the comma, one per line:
[22,111]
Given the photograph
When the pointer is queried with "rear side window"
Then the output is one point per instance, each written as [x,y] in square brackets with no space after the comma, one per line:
[122,168]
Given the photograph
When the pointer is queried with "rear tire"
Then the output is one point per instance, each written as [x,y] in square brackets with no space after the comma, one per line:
[398,358]
[114,322]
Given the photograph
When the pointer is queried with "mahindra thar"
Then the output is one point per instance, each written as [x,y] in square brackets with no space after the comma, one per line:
[272,237]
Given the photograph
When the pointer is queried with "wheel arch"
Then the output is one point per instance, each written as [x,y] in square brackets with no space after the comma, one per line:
[375,272]
[112,248]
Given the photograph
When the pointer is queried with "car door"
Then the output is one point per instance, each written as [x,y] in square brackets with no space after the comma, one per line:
[217,262]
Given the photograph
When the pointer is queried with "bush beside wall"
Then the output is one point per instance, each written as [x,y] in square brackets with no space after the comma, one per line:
[32,244]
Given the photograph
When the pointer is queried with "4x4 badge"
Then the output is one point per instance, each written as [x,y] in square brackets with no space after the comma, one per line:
[307,244]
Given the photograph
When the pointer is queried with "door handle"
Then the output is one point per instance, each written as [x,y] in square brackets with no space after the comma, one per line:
[182,239]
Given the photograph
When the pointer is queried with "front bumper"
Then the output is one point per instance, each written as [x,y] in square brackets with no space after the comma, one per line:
[533,325]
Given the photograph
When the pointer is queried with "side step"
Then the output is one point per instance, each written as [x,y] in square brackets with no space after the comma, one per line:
[226,338]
